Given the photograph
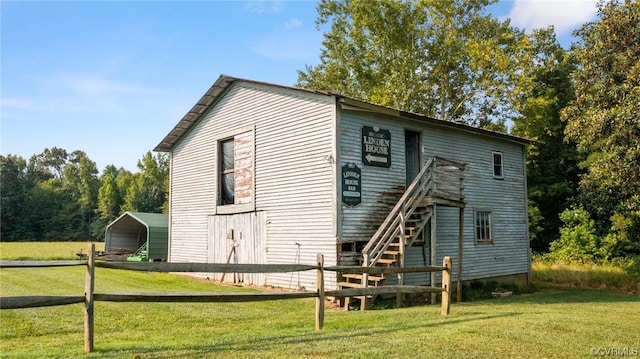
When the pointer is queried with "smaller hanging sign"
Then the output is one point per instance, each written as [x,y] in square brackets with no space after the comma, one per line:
[351,185]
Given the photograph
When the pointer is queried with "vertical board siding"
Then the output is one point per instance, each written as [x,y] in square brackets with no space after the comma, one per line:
[506,198]
[243,167]
[293,178]
[249,232]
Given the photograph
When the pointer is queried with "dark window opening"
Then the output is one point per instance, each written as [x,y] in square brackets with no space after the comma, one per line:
[227,172]
[497,165]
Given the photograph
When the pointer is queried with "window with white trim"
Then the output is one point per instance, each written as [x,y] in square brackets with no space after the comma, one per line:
[227,172]
[235,172]
[483,227]
[498,166]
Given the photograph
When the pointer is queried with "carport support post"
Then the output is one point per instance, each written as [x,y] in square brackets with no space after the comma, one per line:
[320,298]
[88,300]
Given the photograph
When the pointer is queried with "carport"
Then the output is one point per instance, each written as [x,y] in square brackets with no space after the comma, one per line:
[133,230]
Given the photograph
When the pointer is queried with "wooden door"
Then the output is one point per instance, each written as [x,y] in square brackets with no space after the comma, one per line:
[413,153]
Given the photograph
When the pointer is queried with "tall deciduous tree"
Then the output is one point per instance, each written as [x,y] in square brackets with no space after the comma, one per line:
[604,119]
[545,89]
[13,193]
[148,191]
[113,188]
[80,183]
[446,59]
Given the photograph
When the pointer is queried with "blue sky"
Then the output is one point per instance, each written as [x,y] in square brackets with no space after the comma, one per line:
[113,78]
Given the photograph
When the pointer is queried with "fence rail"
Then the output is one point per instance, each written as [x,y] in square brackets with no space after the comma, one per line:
[90,296]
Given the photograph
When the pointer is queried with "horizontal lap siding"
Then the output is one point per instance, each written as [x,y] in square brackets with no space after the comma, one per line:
[293,178]
[360,222]
[294,186]
[505,198]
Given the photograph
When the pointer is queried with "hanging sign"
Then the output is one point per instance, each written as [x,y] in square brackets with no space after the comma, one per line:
[376,147]
[351,185]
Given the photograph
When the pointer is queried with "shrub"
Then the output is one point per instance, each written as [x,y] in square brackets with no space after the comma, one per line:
[578,239]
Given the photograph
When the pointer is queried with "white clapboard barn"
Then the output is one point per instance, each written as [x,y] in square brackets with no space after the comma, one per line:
[270,174]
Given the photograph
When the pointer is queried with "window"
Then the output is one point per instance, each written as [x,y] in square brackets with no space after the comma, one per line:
[227,172]
[234,153]
[483,227]
[497,165]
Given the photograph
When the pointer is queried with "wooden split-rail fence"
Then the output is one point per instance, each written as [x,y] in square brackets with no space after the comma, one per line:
[320,294]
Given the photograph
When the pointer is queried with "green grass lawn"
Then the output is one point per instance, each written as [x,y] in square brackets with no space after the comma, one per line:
[551,323]
[38,251]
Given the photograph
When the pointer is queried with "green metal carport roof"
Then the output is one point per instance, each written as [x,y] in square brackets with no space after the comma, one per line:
[132,230]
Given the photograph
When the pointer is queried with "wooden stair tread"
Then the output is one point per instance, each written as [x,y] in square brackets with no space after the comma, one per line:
[371,278]
[387,261]
[350,285]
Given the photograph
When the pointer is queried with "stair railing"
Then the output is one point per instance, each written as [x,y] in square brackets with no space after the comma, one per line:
[394,224]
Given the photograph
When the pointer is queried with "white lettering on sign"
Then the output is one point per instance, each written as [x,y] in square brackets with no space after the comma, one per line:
[376,147]
[352,174]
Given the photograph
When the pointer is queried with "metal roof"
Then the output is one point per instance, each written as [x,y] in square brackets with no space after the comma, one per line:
[217,90]
[150,219]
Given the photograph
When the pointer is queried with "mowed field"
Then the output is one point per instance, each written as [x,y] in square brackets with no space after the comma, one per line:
[551,323]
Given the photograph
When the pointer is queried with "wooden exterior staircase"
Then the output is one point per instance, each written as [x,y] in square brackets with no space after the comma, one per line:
[440,182]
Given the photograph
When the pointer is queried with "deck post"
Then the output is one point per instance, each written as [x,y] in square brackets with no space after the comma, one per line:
[432,244]
[460,247]
[446,285]
[88,299]
[320,298]
[401,249]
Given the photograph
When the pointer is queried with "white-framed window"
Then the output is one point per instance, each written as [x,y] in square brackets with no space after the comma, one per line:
[498,165]
[483,226]
[235,171]
[227,172]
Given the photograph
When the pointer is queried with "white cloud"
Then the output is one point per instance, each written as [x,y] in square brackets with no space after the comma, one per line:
[264,7]
[76,93]
[293,23]
[564,15]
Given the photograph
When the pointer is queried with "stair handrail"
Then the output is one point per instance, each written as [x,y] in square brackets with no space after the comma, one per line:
[389,228]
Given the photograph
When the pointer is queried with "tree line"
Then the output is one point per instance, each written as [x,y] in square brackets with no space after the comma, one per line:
[454,61]
[58,195]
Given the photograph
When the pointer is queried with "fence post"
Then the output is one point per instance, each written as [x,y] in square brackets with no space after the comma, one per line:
[446,285]
[365,284]
[320,299]
[88,299]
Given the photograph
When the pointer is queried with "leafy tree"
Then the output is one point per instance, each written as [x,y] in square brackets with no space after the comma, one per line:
[447,59]
[45,211]
[604,119]
[51,162]
[110,198]
[80,184]
[12,198]
[545,88]
[148,191]
[57,195]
